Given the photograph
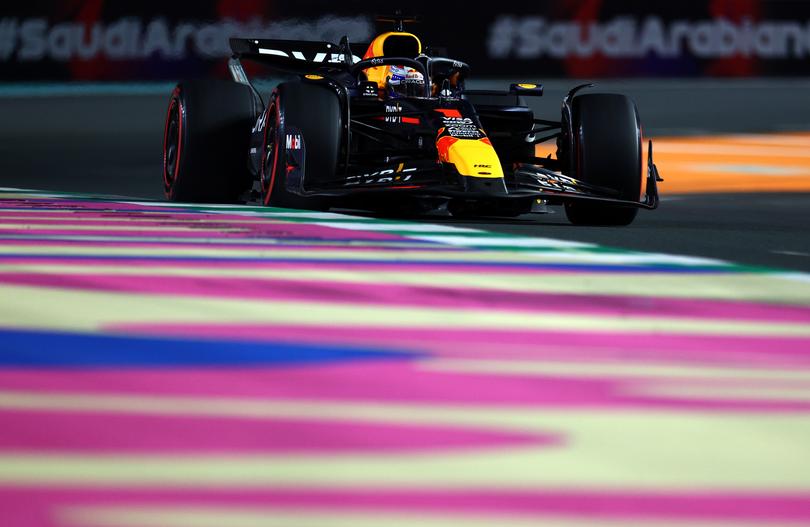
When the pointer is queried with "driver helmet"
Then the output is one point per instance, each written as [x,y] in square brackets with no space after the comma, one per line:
[405,82]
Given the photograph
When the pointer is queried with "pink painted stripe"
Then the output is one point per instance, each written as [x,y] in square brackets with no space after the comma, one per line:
[35,506]
[377,383]
[27,431]
[412,296]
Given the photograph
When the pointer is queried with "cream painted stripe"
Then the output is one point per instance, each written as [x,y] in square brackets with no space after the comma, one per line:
[188,515]
[674,147]
[603,449]
[725,393]
[614,370]
[743,287]
[44,308]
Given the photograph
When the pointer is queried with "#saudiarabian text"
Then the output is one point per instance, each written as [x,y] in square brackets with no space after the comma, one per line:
[632,37]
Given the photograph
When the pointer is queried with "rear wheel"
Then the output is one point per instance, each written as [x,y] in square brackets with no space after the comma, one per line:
[312,112]
[206,141]
[607,153]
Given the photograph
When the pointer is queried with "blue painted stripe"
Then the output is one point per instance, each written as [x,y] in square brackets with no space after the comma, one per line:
[57,349]
[608,268]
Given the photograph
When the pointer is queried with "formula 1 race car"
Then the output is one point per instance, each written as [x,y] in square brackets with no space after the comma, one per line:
[395,131]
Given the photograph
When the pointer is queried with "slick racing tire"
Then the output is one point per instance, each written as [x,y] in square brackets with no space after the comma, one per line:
[206,141]
[607,153]
[312,112]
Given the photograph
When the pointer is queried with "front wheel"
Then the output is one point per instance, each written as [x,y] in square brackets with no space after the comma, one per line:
[607,153]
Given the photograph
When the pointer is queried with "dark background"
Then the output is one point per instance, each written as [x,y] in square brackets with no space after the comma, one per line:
[531,37]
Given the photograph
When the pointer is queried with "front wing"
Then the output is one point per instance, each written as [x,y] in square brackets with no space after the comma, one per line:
[431,179]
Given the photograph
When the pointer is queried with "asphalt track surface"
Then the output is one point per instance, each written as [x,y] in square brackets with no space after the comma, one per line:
[111,145]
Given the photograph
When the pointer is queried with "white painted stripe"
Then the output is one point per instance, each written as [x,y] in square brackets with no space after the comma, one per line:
[175,205]
[798,277]
[403,227]
[632,258]
[318,216]
[505,241]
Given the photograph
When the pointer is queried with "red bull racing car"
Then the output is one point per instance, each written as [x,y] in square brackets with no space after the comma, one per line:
[394,130]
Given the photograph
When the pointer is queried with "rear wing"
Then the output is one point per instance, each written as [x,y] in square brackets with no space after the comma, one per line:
[296,55]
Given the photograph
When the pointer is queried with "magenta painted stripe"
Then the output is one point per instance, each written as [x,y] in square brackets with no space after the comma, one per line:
[132,433]
[112,212]
[412,296]
[379,383]
[34,506]
[210,221]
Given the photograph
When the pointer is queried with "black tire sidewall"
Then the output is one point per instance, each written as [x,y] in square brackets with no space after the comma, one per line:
[216,118]
[607,153]
[315,112]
